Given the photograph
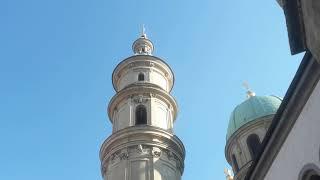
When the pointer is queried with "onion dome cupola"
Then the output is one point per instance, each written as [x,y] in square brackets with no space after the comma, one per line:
[252,109]
[248,124]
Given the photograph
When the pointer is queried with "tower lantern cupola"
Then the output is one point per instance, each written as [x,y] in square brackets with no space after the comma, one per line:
[142,45]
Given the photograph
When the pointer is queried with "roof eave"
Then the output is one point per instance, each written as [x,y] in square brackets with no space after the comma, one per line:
[295,26]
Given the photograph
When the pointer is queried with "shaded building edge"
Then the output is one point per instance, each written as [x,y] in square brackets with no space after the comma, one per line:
[301,39]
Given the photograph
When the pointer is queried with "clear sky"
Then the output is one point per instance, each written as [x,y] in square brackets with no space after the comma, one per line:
[56,60]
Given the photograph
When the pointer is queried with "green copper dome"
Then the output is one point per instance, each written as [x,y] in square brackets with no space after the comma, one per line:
[252,109]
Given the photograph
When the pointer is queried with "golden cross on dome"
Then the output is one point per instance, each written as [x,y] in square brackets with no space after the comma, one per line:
[228,174]
[249,92]
[246,85]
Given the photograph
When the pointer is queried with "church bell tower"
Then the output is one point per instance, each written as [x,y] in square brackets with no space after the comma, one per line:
[142,145]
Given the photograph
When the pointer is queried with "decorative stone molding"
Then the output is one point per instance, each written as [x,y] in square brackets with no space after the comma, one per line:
[140,99]
[141,150]
[156,152]
[170,155]
[123,156]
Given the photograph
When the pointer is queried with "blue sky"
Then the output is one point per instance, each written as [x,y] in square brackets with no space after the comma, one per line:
[56,60]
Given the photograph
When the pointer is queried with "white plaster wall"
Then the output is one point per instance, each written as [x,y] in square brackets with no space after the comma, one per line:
[160,114]
[123,116]
[164,170]
[116,172]
[139,169]
[158,78]
[302,144]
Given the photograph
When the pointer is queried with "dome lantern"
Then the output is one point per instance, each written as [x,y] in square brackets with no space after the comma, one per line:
[142,46]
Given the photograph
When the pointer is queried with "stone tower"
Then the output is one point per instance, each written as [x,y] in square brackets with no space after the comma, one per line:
[142,145]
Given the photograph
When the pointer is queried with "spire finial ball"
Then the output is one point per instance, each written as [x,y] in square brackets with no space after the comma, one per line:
[142,46]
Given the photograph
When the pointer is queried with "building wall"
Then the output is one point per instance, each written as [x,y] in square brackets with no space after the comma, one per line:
[311,19]
[302,146]
[161,114]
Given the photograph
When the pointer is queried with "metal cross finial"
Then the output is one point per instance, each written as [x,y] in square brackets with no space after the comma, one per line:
[143,31]
[228,174]
[246,85]
[249,92]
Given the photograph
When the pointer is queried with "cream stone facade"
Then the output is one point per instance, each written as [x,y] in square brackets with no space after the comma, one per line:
[142,145]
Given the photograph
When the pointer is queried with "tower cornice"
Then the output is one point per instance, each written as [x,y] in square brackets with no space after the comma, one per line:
[134,132]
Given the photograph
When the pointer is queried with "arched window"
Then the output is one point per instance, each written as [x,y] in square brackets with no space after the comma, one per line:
[141,77]
[310,172]
[314,177]
[235,163]
[311,175]
[141,115]
[253,144]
